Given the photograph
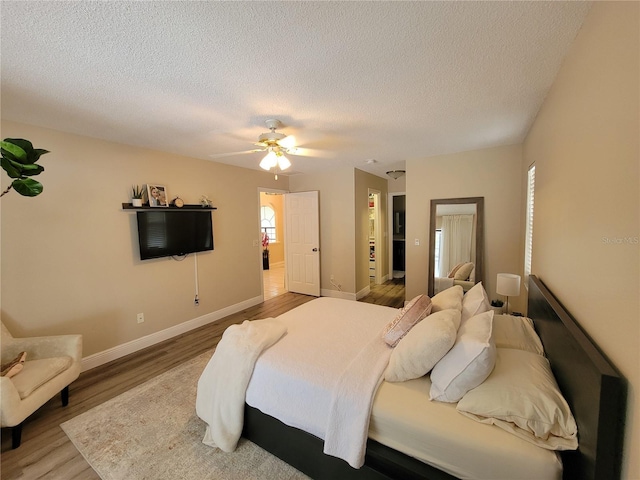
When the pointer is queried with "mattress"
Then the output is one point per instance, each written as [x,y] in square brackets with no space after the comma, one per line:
[403,418]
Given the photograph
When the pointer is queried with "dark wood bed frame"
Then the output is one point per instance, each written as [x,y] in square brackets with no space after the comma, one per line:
[591,385]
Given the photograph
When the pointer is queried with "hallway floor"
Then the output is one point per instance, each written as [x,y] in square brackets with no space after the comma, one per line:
[390,293]
[273,281]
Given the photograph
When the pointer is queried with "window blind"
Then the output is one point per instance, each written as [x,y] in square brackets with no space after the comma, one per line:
[528,247]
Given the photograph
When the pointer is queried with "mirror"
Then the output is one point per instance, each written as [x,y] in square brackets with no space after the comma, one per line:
[456,235]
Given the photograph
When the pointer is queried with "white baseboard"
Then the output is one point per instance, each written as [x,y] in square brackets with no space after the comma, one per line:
[363,293]
[119,351]
[337,294]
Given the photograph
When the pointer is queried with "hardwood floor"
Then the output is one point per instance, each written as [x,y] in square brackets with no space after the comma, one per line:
[390,293]
[47,453]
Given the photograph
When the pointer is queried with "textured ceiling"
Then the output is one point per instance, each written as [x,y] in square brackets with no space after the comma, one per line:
[352,81]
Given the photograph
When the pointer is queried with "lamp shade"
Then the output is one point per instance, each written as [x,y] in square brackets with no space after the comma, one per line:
[396,174]
[508,284]
[269,161]
[283,162]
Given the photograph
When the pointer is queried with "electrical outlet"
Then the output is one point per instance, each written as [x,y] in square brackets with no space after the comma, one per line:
[416,241]
[332,278]
[140,318]
[196,301]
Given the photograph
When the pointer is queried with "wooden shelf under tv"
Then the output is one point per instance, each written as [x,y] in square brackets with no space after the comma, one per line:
[128,206]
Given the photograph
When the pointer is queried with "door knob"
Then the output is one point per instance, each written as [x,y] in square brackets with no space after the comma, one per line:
[314,250]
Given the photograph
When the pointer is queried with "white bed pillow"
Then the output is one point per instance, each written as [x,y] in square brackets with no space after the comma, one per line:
[421,348]
[522,397]
[463,272]
[447,299]
[418,308]
[516,332]
[453,271]
[475,302]
[468,363]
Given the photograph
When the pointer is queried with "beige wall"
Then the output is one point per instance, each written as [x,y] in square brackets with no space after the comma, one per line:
[492,173]
[337,229]
[70,261]
[363,183]
[585,146]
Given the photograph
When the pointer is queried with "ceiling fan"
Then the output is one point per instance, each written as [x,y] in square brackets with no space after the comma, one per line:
[275,144]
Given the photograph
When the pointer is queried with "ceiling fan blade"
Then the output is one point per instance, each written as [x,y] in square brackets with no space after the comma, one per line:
[288,142]
[230,154]
[310,152]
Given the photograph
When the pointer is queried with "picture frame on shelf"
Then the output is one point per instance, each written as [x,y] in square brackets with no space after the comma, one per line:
[157,195]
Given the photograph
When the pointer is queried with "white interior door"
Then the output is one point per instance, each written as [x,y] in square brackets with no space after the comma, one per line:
[302,242]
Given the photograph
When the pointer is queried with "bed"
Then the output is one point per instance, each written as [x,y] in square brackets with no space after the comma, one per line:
[591,386]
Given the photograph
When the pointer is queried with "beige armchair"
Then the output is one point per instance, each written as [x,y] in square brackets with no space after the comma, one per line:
[52,363]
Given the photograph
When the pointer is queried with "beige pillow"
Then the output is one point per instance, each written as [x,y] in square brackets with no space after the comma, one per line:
[423,346]
[454,270]
[418,308]
[13,367]
[475,301]
[516,332]
[447,299]
[463,272]
[38,372]
[522,397]
[468,363]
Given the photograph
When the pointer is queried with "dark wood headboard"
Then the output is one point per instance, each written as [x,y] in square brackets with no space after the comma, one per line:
[593,388]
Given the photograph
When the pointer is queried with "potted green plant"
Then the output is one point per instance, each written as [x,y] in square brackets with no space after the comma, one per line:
[19,161]
[496,306]
[136,195]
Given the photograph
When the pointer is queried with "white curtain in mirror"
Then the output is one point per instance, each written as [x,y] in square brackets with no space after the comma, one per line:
[456,242]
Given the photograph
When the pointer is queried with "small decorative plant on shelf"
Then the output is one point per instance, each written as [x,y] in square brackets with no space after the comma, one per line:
[19,161]
[136,195]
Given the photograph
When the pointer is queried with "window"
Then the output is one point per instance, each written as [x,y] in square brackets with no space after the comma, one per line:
[438,242]
[528,245]
[268,222]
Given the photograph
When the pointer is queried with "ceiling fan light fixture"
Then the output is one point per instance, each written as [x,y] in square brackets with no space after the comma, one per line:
[283,162]
[396,174]
[269,161]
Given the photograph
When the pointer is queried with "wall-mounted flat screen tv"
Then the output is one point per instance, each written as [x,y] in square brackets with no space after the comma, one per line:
[164,233]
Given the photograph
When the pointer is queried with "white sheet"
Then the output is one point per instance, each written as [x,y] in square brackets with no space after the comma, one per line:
[221,388]
[404,419]
[324,337]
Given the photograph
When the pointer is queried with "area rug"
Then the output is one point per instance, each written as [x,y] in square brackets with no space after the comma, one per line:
[152,432]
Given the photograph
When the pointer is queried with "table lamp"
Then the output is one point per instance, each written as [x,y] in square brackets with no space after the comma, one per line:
[508,285]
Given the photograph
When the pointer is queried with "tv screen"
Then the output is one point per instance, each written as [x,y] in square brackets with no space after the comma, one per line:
[174,232]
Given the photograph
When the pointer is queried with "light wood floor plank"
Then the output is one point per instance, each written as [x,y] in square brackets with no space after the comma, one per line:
[47,453]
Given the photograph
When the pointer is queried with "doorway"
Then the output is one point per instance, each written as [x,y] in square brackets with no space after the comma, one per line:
[375,242]
[272,239]
[397,228]
[290,242]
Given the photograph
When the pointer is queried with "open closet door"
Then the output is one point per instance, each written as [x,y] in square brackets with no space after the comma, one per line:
[302,242]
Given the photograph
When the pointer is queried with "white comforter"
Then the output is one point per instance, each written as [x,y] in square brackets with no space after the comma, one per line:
[323,375]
